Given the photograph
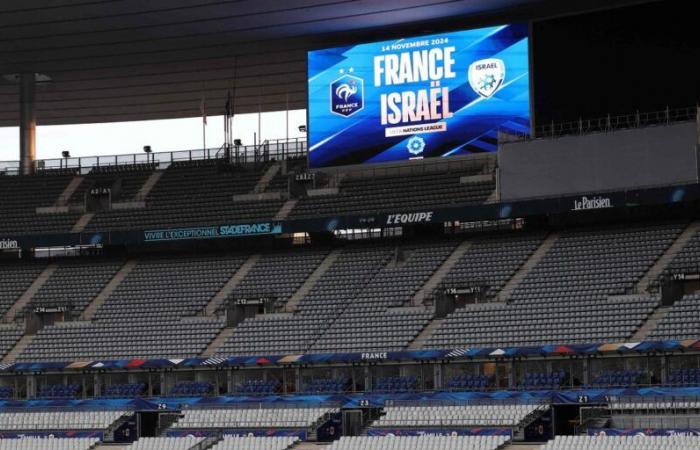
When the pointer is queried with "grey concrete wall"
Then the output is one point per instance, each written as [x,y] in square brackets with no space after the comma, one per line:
[626,159]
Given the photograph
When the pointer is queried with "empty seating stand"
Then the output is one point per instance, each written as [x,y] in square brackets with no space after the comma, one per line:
[502,415]
[194,193]
[166,443]
[20,196]
[57,420]
[681,322]
[396,384]
[327,385]
[575,294]
[427,442]
[470,382]
[152,313]
[394,194]
[49,444]
[623,443]
[261,387]
[254,417]
[74,283]
[191,389]
[338,286]
[58,391]
[127,390]
[125,181]
[255,443]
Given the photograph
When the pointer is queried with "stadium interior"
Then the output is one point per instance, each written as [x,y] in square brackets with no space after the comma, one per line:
[540,291]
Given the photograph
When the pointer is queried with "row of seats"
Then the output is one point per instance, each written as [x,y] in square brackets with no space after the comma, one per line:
[674,442]
[320,385]
[58,420]
[59,391]
[191,388]
[684,377]
[255,443]
[48,444]
[458,415]
[124,390]
[396,384]
[470,382]
[251,418]
[166,443]
[259,387]
[426,442]
[542,380]
[618,378]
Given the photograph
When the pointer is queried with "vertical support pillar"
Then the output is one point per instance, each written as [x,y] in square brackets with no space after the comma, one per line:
[96,385]
[438,381]
[27,124]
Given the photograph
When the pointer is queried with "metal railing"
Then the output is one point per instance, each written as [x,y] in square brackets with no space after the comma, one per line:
[607,124]
[277,149]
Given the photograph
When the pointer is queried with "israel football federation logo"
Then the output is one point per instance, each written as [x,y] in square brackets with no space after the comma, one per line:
[416,145]
[347,95]
[486,76]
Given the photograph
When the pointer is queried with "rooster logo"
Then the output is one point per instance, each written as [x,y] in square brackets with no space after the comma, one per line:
[347,95]
[346,90]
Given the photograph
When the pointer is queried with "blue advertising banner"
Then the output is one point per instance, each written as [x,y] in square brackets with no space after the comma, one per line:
[643,432]
[440,432]
[221,231]
[417,97]
[97,434]
[236,432]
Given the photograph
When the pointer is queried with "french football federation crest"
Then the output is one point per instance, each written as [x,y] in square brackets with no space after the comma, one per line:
[347,95]
[486,76]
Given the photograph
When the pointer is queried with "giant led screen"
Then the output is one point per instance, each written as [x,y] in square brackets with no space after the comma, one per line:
[418,97]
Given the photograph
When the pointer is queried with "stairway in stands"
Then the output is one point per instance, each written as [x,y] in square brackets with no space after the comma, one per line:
[116,280]
[525,269]
[26,297]
[218,341]
[424,335]
[650,324]
[310,282]
[19,347]
[230,285]
[439,275]
[665,259]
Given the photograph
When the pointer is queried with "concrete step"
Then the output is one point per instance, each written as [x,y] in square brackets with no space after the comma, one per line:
[82,222]
[116,280]
[148,185]
[27,296]
[230,285]
[218,341]
[19,347]
[522,446]
[525,269]
[439,274]
[650,324]
[68,192]
[310,282]
[287,208]
[424,335]
[264,180]
[665,259]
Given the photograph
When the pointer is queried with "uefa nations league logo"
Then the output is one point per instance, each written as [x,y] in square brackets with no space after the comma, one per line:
[347,95]
[415,145]
[486,76]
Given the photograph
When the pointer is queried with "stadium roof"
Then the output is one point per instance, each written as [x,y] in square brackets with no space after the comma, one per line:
[115,60]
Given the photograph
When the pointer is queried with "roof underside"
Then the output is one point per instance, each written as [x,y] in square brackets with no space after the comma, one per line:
[117,60]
